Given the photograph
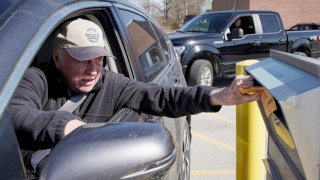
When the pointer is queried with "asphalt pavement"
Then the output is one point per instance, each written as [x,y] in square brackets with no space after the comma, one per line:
[213,146]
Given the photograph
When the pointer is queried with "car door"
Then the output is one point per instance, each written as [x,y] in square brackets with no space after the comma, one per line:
[11,164]
[156,63]
[153,65]
[23,47]
[38,51]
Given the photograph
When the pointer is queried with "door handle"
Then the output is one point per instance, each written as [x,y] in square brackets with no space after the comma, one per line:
[282,40]
[256,43]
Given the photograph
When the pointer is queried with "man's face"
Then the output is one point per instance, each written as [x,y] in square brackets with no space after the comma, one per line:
[237,22]
[79,76]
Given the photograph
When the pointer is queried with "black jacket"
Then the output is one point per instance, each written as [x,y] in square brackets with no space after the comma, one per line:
[40,94]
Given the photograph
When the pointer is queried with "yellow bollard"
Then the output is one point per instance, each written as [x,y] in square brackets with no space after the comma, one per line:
[251,140]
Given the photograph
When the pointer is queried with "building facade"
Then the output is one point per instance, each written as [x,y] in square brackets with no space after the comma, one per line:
[291,12]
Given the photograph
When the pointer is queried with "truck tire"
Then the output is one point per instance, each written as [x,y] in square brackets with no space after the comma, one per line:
[201,73]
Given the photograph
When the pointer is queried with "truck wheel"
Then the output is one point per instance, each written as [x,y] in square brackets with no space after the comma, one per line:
[201,73]
[300,53]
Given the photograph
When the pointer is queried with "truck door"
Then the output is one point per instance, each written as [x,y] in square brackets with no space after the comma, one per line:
[272,34]
[246,47]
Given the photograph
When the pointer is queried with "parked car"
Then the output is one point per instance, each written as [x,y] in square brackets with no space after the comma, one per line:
[305,27]
[209,46]
[132,145]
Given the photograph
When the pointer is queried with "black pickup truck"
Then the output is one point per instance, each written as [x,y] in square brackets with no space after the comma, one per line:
[210,45]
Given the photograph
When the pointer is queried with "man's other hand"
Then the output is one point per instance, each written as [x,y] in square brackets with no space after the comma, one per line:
[72,125]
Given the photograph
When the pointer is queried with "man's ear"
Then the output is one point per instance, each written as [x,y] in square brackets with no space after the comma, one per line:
[55,57]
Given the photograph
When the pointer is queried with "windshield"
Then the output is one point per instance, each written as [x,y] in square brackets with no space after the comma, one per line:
[207,23]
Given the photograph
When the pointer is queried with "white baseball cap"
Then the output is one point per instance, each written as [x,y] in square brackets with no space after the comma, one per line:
[82,39]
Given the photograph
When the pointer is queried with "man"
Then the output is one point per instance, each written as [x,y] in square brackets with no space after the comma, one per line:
[77,68]
[237,23]
[247,28]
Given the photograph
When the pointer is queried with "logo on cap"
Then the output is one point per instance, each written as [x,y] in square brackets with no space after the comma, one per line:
[92,35]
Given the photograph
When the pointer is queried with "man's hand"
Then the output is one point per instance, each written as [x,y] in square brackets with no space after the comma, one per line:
[231,95]
[72,125]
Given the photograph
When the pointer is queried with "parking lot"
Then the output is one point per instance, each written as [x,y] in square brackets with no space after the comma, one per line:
[213,147]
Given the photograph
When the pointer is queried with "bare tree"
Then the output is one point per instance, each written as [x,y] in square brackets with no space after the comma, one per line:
[198,7]
[153,8]
[177,9]
[167,8]
[172,12]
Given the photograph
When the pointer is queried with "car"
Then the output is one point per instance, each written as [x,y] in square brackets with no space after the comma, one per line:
[133,145]
[305,27]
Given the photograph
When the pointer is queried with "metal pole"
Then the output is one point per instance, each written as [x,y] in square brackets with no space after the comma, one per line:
[251,137]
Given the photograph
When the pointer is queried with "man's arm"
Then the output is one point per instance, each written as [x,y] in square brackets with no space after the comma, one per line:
[155,99]
[35,127]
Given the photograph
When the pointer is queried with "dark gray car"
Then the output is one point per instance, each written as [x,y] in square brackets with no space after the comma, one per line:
[131,145]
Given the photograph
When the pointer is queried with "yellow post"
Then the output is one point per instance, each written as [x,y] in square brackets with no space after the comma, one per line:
[251,137]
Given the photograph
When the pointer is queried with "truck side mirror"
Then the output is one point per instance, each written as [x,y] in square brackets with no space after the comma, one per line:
[128,150]
[236,33]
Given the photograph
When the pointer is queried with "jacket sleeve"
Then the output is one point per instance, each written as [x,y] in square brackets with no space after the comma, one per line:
[168,101]
[35,127]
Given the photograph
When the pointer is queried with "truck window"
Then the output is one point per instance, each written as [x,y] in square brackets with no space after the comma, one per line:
[270,23]
[245,23]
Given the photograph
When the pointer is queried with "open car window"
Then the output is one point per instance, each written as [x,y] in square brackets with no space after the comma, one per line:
[112,43]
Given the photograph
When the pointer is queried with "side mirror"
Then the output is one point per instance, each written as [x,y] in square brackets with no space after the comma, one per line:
[129,150]
[236,33]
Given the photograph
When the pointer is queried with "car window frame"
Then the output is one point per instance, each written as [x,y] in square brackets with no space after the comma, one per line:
[73,10]
[118,46]
[108,21]
[166,40]
[127,112]
[48,25]
[139,70]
